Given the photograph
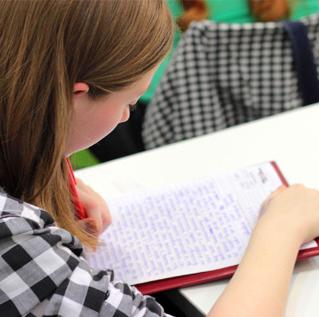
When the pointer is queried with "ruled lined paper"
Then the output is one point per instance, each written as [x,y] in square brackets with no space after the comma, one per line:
[185,228]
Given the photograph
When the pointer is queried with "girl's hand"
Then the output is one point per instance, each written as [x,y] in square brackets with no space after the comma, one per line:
[290,217]
[295,209]
[95,206]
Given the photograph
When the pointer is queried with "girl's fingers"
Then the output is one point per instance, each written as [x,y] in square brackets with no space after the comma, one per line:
[279,190]
[92,208]
[95,206]
[265,204]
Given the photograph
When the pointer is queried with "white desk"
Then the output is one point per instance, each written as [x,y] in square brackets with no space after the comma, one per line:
[291,139]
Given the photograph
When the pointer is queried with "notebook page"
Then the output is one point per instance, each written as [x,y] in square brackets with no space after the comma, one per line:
[186,228]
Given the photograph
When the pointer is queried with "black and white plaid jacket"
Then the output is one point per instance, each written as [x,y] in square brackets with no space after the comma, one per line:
[42,272]
[222,75]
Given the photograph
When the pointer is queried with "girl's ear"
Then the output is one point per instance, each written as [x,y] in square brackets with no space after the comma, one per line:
[80,88]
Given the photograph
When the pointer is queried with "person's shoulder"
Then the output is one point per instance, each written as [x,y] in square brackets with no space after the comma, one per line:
[45,266]
[13,210]
[37,256]
[20,218]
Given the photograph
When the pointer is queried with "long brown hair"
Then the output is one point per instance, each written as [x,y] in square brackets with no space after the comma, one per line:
[47,46]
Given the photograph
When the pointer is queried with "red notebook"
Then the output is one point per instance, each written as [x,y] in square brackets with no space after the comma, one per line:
[125,241]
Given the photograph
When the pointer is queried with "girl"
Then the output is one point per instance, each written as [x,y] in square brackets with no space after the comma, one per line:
[70,70]
[127,139]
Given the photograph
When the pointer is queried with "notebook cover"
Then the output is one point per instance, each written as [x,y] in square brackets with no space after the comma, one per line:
[204,277]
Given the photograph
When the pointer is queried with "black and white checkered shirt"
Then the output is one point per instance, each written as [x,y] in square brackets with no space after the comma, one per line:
[42,272]
[222,75]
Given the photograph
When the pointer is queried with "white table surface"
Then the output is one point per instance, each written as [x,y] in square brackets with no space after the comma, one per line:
[291,139]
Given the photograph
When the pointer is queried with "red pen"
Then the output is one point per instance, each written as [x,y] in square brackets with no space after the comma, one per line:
[79,208]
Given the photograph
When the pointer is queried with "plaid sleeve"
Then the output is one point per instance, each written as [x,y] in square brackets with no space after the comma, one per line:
[94,293]
[43,274]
